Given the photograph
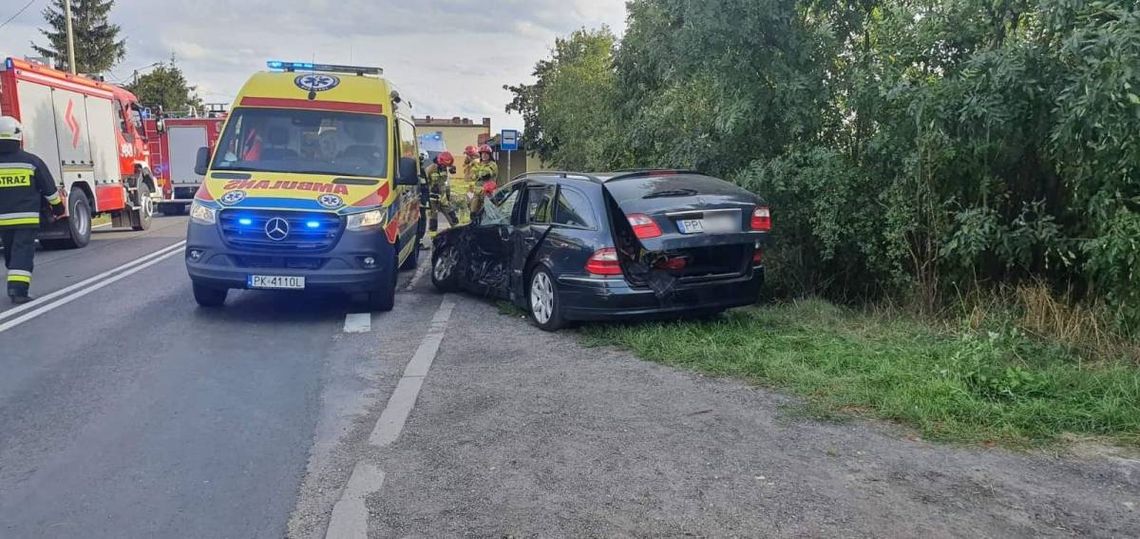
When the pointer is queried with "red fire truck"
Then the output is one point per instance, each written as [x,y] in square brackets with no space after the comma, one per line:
[174,144]
[90,134]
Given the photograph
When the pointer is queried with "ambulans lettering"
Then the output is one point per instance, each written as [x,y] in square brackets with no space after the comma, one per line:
[283,185]
[16,180]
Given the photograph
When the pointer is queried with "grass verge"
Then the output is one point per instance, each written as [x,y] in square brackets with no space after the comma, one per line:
[999,386]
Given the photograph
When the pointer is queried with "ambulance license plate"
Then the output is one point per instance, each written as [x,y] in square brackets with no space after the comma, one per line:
[276,282]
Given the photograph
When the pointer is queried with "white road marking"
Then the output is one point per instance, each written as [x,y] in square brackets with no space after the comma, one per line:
[350,515]
[403,399]
[42,308]
[40,302]
[358,322]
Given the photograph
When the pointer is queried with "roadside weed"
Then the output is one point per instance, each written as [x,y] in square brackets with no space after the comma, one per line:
[1003,387]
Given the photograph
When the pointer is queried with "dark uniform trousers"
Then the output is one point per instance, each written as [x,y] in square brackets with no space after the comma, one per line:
[19,250]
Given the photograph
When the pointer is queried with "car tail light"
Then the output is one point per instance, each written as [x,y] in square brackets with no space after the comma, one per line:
[604,262]
[757,257]
[643,226]
[762,219]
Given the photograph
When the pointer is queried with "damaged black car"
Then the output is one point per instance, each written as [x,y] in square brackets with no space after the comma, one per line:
[618,246]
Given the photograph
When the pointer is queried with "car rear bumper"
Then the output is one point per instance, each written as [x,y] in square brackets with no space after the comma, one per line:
[588,298]
[340,269]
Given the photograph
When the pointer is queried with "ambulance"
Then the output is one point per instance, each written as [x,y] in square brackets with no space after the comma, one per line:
[312,185]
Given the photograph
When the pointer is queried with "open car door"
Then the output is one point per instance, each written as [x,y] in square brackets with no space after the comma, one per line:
[488,254]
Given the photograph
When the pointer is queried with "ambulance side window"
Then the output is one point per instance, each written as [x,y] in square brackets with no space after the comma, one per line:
[407,134]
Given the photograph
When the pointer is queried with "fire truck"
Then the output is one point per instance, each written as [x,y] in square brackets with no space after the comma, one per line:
[174,144]
[90,134]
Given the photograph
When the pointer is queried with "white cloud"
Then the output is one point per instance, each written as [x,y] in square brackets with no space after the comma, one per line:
[449,57]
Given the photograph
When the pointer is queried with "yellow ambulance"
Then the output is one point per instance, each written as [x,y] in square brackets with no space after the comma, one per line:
[313,185]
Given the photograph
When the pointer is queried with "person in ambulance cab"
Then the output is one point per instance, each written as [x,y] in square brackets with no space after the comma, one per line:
[24,180]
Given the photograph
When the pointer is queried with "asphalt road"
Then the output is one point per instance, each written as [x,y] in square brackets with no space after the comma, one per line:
[126,411]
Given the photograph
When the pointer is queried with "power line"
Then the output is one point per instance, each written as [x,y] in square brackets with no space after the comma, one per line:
[26,6]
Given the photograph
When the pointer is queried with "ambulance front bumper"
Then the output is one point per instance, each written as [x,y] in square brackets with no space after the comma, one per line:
[359,261]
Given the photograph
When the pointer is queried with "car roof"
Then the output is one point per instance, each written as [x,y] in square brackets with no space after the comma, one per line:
[604,177]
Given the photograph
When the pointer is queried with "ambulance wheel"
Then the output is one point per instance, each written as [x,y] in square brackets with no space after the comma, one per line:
[413,259]
[78,223]
[145,212]
[384,299]
[208,296]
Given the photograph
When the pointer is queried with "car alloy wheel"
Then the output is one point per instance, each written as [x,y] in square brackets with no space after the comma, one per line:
[541,297]
[445,264]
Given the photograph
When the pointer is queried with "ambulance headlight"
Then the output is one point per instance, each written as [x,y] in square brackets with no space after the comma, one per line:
[202,215]
[368,219]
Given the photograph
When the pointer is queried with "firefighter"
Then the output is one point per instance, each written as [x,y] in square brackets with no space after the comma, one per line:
[24,179]
[438,175]
[484,172]
[470,156]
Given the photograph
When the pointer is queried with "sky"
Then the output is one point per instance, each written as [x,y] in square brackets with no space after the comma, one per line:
[448,57]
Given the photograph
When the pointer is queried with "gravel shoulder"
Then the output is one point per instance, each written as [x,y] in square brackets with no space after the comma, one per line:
[518,432]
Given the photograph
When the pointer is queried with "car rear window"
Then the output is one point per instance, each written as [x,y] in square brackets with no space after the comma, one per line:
[668,186]
[573,209]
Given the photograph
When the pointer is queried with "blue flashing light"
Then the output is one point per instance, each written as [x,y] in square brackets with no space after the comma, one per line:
[275,64]
[245,221]
[8,63]
[313,224]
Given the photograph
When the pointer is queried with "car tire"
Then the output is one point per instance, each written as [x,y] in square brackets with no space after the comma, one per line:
[209,296]
[145,212]
[543,303]
[445,269]
[78,223]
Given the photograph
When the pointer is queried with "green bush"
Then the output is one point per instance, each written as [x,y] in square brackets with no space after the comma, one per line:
[910,149]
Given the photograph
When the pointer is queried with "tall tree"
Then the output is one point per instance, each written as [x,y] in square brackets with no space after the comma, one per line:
[568,111]
[97,43]
[165,87]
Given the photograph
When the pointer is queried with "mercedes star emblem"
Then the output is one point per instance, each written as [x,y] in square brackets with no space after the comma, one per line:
[277,229]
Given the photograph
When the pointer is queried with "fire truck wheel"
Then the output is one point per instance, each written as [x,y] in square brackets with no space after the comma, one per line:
[78,223]
[210,297]
[145,212]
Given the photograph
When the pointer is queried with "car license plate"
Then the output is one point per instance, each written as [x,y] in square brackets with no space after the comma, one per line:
[276,282]
[691,226]
[717,224]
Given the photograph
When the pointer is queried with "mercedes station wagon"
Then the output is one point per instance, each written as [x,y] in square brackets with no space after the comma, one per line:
[569,246]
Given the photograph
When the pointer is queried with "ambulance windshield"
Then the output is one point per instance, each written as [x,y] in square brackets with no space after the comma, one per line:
[304,142]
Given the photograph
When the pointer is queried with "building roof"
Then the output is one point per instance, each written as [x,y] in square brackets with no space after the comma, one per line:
[455,121]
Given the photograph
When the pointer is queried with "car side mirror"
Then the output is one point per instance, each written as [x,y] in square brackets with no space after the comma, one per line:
[202,161]
[406,173]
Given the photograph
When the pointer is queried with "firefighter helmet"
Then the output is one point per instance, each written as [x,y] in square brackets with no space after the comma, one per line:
[444,159]
[470,151]
[10,129]
[486,148]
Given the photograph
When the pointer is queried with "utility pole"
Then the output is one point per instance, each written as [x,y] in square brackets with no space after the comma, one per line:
[70,38]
